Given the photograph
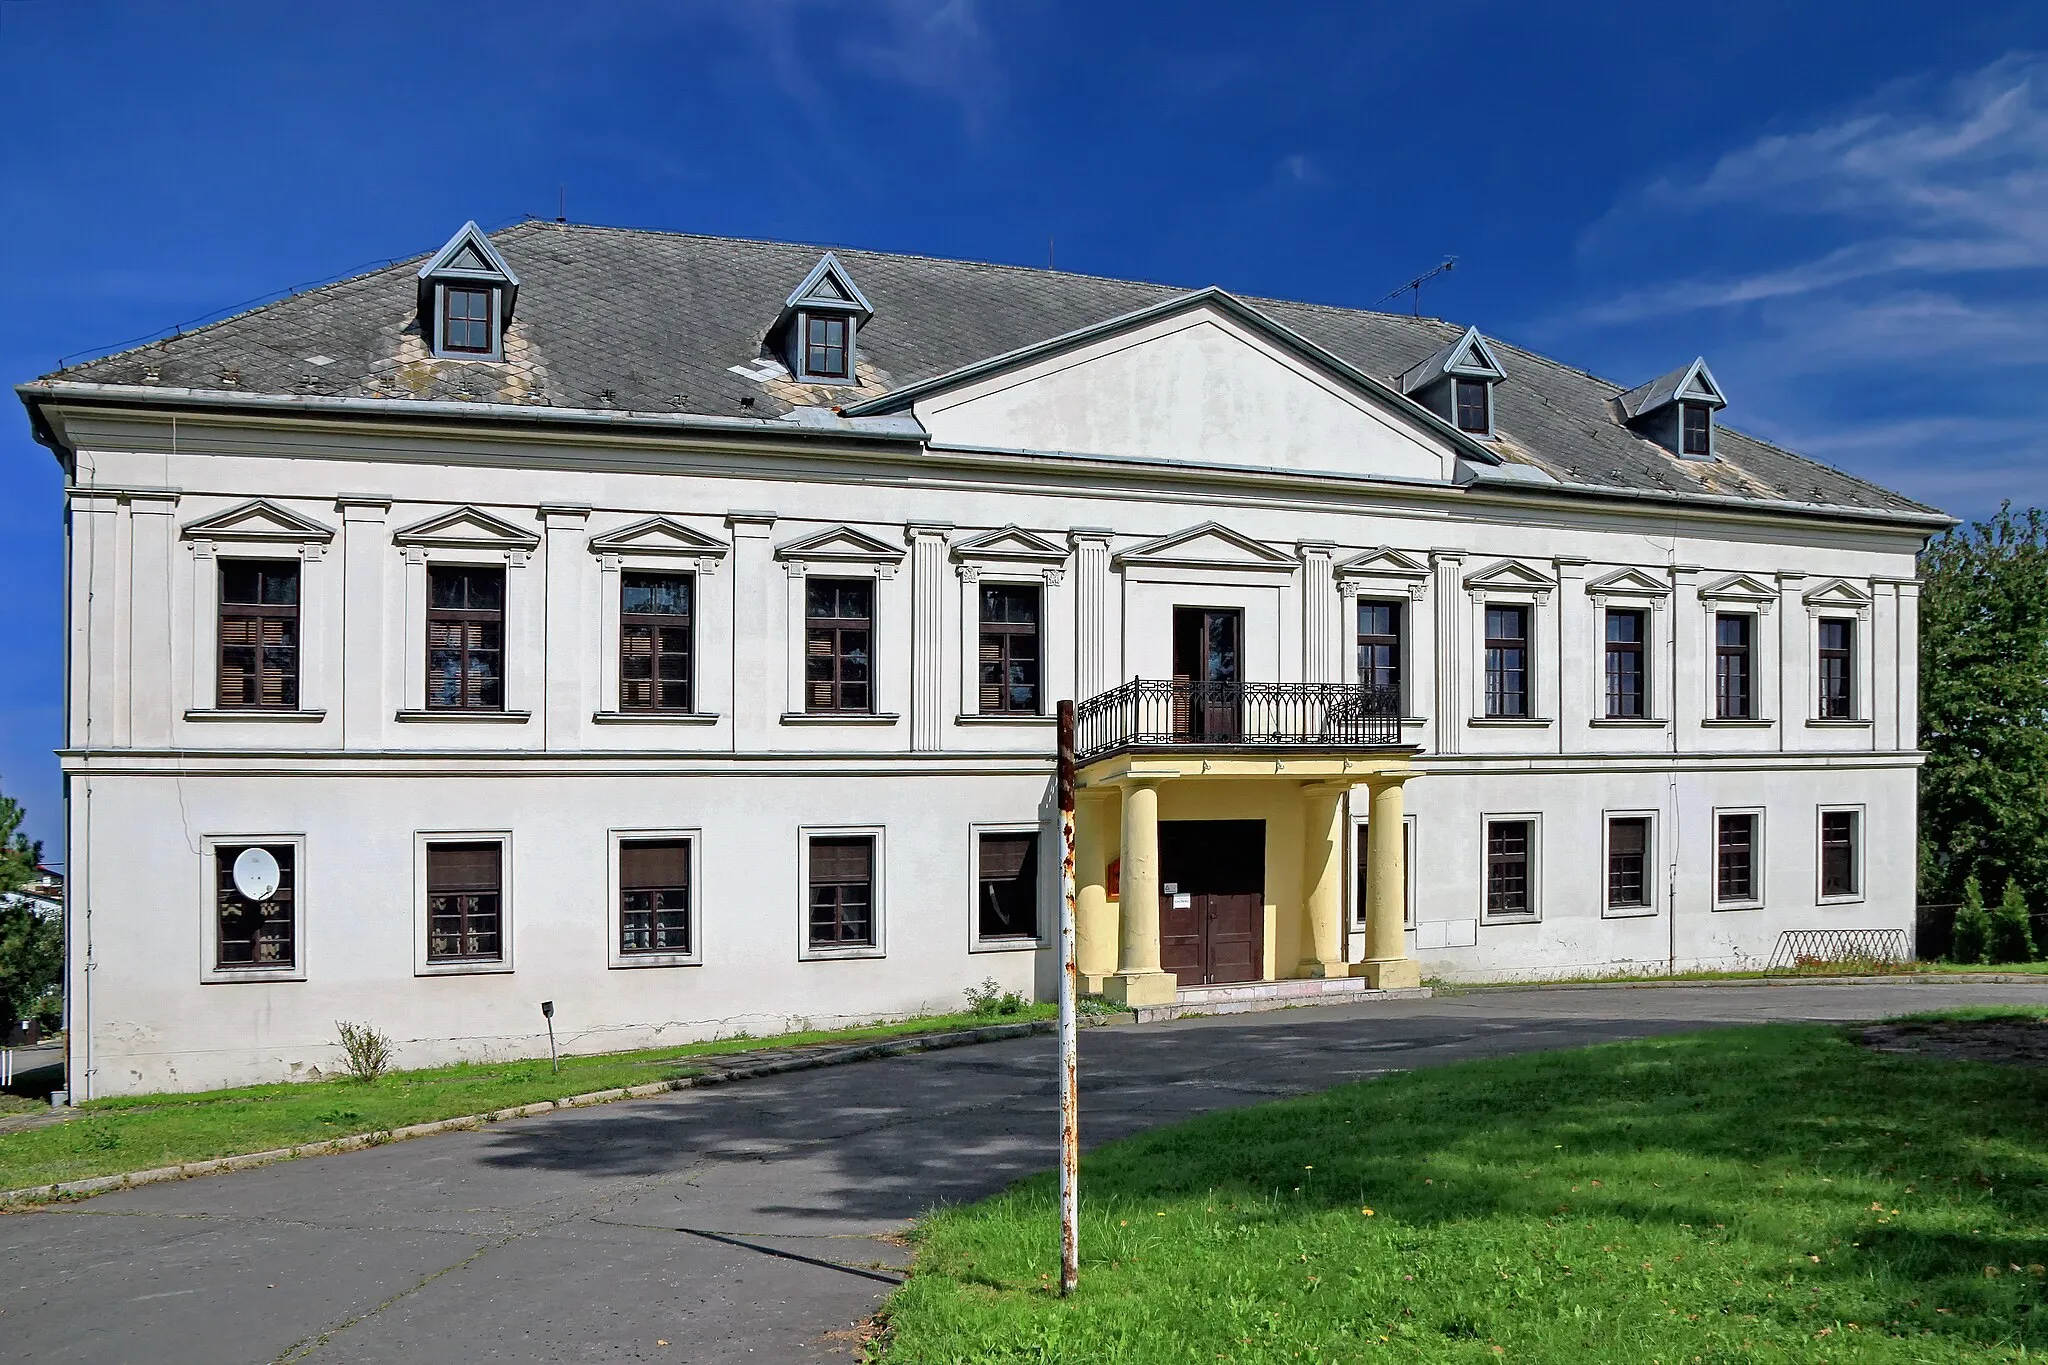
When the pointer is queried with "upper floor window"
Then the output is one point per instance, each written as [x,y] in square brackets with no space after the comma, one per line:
[1507,661]
[1837,672]
[654,642]
[838,637]
[466,320]
[1733,672]
[828,342]
[1379,643]
[465,637]
[1472,399]
[1625,672]
[1009,648]
[1696,434]
[259,635]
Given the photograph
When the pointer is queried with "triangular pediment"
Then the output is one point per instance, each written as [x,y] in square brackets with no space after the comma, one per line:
[841,543]
[258,520]
[829,285]
[470,255]
[1510,574]
[467,527]
[1629,583]
[1211,545]
[1837,592]
[1699,384]
[658,536]
[1384,562]
[1013,544]
[1474,358]
[1740,587]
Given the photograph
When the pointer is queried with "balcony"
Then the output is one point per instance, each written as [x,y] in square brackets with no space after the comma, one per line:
[1237,717]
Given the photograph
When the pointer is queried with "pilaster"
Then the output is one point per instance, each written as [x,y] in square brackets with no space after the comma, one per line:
[1798,689]
[758,594]
[1577,685]
[364,546]
[1451,647]
[1320,661]
[1095,664]
[565,632]
[928,634]
[151,608]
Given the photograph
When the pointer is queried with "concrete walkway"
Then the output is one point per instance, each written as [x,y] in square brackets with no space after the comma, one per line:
[600,1234]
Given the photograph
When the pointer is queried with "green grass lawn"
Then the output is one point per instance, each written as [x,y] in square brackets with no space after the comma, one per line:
[137,1132]
[1760,1194]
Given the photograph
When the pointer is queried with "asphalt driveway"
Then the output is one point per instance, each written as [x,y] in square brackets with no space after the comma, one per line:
[744,1222]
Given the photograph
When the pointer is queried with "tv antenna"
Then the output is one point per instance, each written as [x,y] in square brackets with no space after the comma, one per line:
[1414,286]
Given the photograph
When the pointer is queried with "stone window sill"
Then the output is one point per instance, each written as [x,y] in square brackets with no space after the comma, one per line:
[1510,722]
[1817,724]
[840,718]
[1628,723]
[1732,723]
[255,715]
[1003,718]
[655,717]
[466,717]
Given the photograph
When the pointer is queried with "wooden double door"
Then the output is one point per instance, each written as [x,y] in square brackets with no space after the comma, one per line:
[1212,900]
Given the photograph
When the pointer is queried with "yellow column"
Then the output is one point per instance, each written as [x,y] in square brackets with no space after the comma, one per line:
[1095,928]
[1138,980]
[1387,964]
[1322,878]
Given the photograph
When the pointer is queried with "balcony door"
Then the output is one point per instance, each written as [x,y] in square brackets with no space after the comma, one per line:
[1208,696]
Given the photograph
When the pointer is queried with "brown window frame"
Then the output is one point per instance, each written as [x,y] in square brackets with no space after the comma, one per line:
[1503,883]
[1688,430]
[1841,856]
[824,367]
[479,911]
[832,633]
[266,616]
[466,617]
[1000,643]
[1615,659]
[1460,408]
[1501,703]
[1738,872]
[269,924]
[1379,651]
[827,900]
[666,895]
[1626,877]
[656,626]
[1735,667]
[1836,669]
[994,894]
[449,320]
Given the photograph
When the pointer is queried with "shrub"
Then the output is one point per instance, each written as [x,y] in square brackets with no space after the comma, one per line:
[2011,937]
[990,999]
[1971,941]
[365,1052]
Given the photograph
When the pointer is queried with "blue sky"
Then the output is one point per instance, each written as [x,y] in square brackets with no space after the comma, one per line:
[1843,206]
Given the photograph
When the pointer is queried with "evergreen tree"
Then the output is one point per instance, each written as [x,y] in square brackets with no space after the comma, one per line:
[1971,942]
[31,941]
[2012,939]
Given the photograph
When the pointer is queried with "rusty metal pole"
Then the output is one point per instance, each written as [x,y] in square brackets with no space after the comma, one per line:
[1070,1096]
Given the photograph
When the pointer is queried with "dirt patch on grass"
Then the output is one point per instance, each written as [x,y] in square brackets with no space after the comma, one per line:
[2010,1042]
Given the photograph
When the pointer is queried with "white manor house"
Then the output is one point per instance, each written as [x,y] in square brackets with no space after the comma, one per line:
[670,628]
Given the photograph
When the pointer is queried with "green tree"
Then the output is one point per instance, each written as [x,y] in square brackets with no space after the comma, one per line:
[1984,707]
[1972,939]
[2012,939]
[31,941]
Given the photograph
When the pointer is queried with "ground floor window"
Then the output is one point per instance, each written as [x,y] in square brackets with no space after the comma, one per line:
[1840,875]
[841,911]
[654,896]
[1006,875]
[1628,863]
[1510,868]
[1362,858]
[253,934]
[1737,845]
[465,901]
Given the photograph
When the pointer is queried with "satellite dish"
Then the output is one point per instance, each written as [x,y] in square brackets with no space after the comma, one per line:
[256,874]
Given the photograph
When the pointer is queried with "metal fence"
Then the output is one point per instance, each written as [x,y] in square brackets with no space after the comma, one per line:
[1151,713]
[1800,947]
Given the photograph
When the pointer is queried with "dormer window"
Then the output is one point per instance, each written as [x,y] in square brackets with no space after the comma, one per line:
[1472,406]
[827,341]
[466,294]
[466,320]
[1698,433]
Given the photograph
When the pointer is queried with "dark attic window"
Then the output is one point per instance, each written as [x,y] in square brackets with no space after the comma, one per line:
[825,346]
[466,320]
[1471,405]
[1696,436]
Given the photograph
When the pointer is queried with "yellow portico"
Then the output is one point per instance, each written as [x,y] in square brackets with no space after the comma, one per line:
[1211,827]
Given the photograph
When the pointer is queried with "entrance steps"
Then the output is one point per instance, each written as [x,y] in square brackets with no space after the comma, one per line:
[1251,996]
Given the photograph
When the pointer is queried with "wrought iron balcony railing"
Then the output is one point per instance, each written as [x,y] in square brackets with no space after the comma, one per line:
[1152,714]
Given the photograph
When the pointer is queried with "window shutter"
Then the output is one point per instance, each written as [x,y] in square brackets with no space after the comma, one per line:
[842,860]
[648,863]
[1004,857]
[463,867]
[1626,838]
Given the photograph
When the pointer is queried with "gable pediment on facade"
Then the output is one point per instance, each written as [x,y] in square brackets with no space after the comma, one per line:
[1628,583]
[259,520]
[1510,575]
[1205,379]
[1010,545]
[466,528]
[1739,587]
[842,545]
[658,536]
[1211,545]
[1838,592]
[1384,562]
